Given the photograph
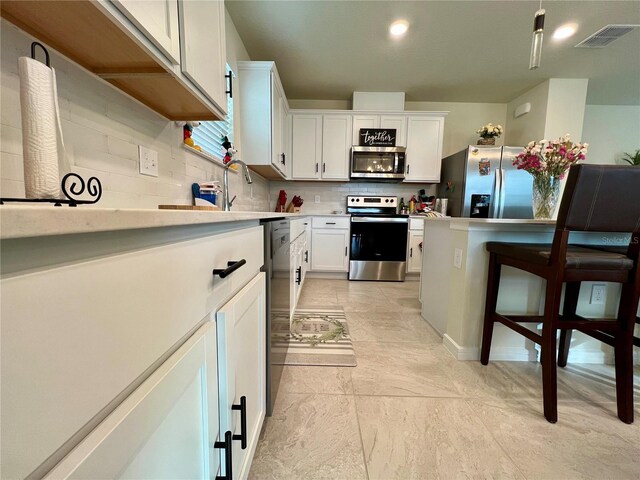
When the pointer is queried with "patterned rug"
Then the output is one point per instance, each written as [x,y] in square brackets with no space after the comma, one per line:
[315,337]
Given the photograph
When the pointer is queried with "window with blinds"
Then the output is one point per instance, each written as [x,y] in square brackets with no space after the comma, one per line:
[209,134]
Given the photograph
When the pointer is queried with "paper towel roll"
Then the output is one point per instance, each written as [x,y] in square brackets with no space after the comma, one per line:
[41,144]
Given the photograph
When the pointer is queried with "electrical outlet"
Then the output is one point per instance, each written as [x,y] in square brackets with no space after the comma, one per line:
[316,199]
[457,258]
[148,161]
[597,295]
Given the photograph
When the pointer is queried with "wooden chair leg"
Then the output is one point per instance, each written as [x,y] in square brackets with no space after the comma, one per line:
[624,352]
[571,294]
[493,286]
[548,350]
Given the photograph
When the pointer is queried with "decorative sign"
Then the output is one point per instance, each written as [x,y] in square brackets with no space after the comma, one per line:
[377,137]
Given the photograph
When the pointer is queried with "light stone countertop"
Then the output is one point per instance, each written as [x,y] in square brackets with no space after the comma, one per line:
[34,221]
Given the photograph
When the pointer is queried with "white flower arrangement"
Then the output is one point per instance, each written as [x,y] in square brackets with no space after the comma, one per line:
[490,130]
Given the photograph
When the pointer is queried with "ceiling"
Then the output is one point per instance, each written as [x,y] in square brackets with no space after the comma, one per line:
[455,51]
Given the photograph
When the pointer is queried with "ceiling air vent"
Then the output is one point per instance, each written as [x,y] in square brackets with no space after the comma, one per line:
[605,36]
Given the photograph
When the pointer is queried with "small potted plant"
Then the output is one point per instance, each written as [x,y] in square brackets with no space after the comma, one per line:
[632,158]
[488,134]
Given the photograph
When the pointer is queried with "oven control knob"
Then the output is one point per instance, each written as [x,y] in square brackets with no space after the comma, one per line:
[357,199]
[387,200]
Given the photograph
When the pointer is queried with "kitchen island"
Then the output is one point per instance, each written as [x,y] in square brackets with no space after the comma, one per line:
[454,279]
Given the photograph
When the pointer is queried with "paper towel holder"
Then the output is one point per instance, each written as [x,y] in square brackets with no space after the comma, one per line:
[72,185]
[46,53]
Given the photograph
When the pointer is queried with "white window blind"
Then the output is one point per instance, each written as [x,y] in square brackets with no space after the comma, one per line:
[209,134]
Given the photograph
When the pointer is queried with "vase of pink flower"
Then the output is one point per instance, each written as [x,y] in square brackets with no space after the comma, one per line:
[548,162]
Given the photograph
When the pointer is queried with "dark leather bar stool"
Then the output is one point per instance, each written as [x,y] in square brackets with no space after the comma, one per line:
[596,198]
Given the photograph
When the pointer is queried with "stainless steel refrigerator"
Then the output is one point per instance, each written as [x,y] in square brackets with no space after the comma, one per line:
[481,182]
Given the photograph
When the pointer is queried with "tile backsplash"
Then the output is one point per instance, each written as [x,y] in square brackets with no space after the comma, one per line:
[102,129]
[333,195]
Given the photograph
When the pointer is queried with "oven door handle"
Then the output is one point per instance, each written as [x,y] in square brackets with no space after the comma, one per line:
[379,220]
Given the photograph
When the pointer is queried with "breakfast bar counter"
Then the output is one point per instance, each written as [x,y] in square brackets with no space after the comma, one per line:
[454,279]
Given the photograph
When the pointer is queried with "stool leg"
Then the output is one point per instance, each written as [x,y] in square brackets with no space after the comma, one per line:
[624,352]
[571,294]
[493,286]
[548,350]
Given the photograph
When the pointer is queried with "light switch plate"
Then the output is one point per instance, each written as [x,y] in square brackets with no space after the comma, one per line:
[597,294]
[457,258]
[316,199]
[148,161]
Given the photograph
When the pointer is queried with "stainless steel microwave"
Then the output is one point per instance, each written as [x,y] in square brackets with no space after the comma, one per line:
[378,162]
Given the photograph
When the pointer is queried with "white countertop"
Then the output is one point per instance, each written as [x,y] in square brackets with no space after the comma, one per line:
[485,221]
[35,221]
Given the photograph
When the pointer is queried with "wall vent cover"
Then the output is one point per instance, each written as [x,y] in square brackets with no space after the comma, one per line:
[605,36]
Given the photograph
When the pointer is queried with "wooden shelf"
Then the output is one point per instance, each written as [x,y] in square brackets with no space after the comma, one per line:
[80,31]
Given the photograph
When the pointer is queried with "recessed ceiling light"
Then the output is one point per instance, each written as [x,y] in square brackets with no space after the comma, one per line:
[565,31]
[399,28]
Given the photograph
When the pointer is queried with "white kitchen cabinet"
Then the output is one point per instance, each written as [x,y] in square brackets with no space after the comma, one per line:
[330,244]
[203,50]
[241,327]
[424,148]
[158,20]
[397,122]
[165,428]
[306,146]
[109,318]
[263,115]
[414,254]
[336,146]
[306,266]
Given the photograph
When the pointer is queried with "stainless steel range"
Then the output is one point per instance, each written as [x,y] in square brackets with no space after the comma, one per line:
[378,239]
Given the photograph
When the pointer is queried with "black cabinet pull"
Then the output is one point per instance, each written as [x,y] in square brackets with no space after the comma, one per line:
[330,223]
[306,256]
[345,251]
[316,167]
[243,422]
[299,275]
[284,160]
[411,252]
[231,267]
[324,167]
[228,456]
[230,91]
[408,167]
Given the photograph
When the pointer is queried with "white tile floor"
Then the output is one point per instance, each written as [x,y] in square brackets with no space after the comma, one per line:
[409,410]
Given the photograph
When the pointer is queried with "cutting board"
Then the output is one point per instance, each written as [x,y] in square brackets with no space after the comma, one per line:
[212,208]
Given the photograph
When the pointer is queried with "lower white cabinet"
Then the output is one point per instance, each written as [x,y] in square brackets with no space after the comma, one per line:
[414,255]
[330,252]
[165,429]
[241,327]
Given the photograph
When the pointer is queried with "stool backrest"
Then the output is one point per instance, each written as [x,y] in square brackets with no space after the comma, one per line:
[601,198]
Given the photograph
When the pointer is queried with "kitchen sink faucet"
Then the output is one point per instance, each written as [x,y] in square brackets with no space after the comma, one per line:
[226,205]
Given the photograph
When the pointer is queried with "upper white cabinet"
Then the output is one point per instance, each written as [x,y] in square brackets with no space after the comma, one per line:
[306,146]
[397,122]
[167,54]
[336,146]
[263,111]
[158,20]
[424,148]
[164,429]
[203,53]
[321,146]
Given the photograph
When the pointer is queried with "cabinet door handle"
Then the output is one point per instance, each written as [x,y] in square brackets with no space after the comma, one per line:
[299,275]
[228,456]
[306,256]
[329,223]
[230,91]
[243,422]
[231,267]
[408,168]
[324,167]
[284,159]
[345,251]
[316,167]
[411,252]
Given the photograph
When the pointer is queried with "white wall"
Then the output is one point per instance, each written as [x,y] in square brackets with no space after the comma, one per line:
[102,129]
[522,130]
[333,195]
[611,131]
[565,107]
